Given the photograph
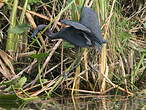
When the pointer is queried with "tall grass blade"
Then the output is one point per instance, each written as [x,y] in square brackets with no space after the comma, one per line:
[12,39]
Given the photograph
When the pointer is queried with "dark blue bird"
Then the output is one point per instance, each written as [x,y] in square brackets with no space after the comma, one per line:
[85,33]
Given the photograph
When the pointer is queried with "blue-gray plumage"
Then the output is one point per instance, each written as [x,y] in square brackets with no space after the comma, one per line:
[85,33]
[76,25]
[89,19]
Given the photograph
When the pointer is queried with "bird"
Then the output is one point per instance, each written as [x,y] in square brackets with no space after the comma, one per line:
[85,33]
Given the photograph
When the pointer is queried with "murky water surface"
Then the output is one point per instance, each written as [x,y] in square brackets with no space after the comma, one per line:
[81,102]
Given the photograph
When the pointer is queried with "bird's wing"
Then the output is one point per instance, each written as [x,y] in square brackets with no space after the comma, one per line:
[76,25]
[70,34]
[74,36]
[89,19]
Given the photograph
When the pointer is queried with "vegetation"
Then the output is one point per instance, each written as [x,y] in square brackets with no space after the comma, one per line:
[42,67]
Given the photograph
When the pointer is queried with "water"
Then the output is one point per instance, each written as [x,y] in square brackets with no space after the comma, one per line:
[81,102]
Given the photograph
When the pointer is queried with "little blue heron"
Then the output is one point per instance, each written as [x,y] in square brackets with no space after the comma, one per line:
[85,33]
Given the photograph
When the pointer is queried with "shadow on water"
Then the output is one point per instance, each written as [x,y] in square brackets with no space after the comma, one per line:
[81,102]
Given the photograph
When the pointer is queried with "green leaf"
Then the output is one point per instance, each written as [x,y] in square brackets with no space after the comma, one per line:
[9,82]
[44,80]
[40,56]
[144,52]
[21,82]
[9,101]
[33,1]
[67,45]
[144,25]
[19,28]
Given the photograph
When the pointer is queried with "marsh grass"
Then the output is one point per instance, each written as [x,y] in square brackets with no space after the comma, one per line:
[44,67]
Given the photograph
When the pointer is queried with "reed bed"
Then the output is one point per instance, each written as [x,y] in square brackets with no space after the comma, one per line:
[42,67]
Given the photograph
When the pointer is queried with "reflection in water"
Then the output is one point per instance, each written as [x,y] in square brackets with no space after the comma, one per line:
[85,102]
